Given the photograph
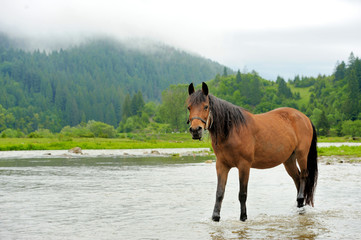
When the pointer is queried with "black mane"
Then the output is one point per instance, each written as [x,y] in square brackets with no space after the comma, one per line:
[224,114]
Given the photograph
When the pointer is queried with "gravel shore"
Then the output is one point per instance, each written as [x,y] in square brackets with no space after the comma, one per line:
[161,152]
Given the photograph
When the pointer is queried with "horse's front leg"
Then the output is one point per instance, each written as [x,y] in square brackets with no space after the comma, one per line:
[243,183]
[222,175]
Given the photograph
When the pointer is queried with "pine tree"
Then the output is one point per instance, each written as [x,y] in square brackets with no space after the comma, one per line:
[238,77]
[225,74]
[340,71]
[283,90]
[256,93]
[110,115]
[139,103]
[324,125]
[127,112]
[352,105]
[351,59]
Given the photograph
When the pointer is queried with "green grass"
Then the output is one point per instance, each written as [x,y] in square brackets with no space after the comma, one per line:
[304,93]
[177,140]
[338,139]
[340,151]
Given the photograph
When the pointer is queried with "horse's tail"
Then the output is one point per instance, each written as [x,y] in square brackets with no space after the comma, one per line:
[312,168]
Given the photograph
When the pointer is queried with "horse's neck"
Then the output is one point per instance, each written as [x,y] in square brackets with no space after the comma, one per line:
[249,127]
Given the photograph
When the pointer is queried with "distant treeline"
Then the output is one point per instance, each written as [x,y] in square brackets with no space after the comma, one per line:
[54,89]
[102,89]
[332,102]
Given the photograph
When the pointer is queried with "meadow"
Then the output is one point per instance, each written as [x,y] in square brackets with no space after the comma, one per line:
[176,140]
[134,141]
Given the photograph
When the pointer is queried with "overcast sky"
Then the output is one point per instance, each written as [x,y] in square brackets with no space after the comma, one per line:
[273,37]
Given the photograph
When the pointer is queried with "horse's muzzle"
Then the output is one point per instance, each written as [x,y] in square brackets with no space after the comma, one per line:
[196,132]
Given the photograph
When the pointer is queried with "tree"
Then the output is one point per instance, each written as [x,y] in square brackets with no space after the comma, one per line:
[352,106]
[255,90]
[127,112]
[225,74]
[238,77]
[352,128]
[2,119]
[323,124]
[173,108]
[73,116]
[283,90]
[139,103]
[340,71]
[110,117]
[351,59]
[316,118]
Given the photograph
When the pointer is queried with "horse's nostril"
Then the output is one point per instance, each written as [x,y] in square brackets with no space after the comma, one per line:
[193,130]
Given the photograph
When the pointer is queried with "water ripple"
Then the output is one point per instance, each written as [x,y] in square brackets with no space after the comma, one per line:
[113,198]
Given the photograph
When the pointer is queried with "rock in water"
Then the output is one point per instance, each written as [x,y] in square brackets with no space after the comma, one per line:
[76,150]
[155,152]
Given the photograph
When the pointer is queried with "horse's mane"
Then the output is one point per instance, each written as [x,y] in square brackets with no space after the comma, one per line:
[224,114]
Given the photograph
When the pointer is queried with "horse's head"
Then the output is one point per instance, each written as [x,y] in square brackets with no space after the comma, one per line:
[199,110]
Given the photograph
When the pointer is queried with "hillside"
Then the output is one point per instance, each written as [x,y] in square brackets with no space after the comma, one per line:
[332,102]
[88,82]
[142,88]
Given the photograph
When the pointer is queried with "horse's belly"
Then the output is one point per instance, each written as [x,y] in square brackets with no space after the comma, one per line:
[272,156]
[264,164]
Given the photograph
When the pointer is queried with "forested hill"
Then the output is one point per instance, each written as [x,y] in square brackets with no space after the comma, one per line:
[89,81]
[332,102]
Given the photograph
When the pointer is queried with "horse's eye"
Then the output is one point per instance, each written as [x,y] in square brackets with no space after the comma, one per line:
[206,107]
[189,108]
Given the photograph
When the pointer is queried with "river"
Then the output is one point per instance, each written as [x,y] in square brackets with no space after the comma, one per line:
[168,198]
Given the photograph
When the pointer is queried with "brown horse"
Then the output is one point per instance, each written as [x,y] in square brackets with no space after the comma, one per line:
[244,140]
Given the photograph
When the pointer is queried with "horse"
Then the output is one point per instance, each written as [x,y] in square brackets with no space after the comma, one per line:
[244,140]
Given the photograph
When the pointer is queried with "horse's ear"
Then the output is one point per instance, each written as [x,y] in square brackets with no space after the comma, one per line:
[205,88]
[190,89]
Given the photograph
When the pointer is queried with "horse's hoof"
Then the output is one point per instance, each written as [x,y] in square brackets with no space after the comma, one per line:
[300,202]
[216,218]
[244,218]
[301,211]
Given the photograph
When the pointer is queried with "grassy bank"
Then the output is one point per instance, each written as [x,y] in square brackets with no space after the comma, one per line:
[338,139]
[340,151]
[176,140]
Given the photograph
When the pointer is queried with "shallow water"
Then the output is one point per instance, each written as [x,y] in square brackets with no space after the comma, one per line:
[168,198]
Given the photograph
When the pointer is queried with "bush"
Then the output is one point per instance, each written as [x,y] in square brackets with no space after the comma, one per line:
[352,128]
[11,133]
[100,129]
[41,133]
[91,129]
[78,131]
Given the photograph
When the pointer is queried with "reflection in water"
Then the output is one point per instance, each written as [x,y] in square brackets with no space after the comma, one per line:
[270,227]
[167,198]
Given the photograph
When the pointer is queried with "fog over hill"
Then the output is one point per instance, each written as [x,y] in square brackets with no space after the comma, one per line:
[90,80]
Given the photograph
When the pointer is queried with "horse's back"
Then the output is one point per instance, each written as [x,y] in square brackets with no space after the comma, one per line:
[278,134]
[285,117]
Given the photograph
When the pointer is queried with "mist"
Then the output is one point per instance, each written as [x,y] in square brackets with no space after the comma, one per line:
[274,38]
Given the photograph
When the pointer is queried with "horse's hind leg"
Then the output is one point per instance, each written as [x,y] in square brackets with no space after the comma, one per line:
[292,170]
[301,157]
